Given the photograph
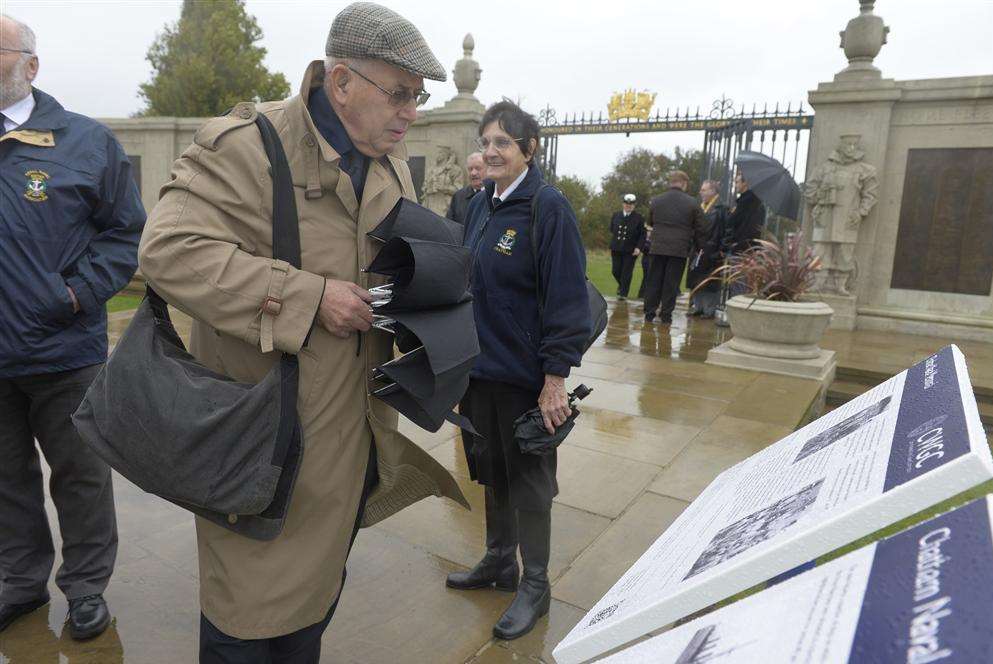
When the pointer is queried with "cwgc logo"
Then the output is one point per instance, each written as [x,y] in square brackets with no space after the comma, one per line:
[37,186]
[933,423]
[506,243]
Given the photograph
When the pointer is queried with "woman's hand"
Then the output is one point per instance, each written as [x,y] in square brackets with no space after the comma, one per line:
[554,403]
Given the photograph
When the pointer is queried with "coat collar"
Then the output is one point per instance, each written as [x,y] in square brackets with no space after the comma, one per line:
[47,117]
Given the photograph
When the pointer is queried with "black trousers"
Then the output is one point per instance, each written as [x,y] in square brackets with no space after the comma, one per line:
[622,267]
[38,407]
[646,262]
[522,481]
[664,276]
[300,647]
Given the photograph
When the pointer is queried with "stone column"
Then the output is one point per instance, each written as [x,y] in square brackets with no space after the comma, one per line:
[858,102]
[452,127]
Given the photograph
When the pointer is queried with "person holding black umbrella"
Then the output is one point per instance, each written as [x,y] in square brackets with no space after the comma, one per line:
[746,222]
[525,356]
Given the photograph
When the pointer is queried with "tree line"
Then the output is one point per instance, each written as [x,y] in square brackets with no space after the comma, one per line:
[641,172]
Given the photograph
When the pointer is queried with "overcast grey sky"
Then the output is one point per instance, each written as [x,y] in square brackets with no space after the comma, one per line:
[572,55]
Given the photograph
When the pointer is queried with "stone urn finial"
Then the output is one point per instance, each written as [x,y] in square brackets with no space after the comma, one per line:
[862,39]
[467,71]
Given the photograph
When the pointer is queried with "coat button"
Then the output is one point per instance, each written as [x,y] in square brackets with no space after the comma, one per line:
[232,519]
[245,113]
[309,141]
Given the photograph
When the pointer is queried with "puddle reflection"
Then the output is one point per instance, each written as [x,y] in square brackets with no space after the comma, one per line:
[686,338]
[33,639]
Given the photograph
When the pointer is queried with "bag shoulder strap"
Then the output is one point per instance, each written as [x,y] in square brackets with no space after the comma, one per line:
[285,223]
[534,249]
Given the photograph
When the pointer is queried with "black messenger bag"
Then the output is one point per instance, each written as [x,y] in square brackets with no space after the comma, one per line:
[225,450]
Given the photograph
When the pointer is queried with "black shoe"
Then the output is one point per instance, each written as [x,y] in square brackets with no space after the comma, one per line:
[499,565]
[649,318]
[11,612]
[534,596]
[88,617]
[665,320]
[621,298]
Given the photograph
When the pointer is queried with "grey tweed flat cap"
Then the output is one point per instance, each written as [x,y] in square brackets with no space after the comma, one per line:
[368,30]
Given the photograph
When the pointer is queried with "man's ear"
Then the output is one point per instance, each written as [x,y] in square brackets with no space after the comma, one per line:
[32,68]
[338,80]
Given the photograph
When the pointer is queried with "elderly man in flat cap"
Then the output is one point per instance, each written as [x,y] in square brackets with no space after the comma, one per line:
[207,249]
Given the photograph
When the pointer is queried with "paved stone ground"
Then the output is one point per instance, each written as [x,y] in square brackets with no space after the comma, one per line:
[658,427]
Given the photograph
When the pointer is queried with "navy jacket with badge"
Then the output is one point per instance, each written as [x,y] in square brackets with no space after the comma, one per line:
[70,215]
[514,348]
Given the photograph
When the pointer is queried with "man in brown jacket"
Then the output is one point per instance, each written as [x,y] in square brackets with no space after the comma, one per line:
[207,249]
[676,220]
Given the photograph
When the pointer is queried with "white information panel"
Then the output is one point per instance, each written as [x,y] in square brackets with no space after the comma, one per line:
[920,596]
[897,449]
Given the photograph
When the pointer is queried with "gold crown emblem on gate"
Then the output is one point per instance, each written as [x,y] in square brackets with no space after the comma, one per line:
[630,105]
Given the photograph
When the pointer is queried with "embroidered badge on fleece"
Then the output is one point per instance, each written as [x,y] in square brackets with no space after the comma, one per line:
[37,186]
[506,243]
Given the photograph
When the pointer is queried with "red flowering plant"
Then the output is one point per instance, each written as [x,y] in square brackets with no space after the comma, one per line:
[772,271]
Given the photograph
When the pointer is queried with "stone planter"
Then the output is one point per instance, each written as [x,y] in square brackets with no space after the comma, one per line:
[782,330]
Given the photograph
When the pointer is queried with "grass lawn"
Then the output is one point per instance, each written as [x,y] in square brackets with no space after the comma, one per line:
[598,270]
[122,303]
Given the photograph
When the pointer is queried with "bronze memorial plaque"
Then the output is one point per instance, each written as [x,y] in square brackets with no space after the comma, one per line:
[945,237]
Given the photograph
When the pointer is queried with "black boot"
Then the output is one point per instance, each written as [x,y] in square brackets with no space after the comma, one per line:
[499,565]
[535,593]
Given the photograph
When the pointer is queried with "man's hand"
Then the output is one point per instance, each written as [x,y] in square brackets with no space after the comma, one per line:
[636,251]
[344,308]
[554,403]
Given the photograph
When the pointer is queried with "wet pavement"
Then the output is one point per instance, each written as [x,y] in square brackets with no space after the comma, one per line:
[658,427]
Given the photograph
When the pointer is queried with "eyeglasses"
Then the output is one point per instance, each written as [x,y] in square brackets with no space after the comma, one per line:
[16,50]
[398,98]
[501,143]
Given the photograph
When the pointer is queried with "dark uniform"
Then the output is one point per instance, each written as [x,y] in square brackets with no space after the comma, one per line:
[71,218]
[626,232]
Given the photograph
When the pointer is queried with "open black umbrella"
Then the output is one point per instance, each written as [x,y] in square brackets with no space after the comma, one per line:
[771,182]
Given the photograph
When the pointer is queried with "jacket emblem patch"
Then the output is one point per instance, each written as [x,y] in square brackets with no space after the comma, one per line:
[506,243]
[37,186]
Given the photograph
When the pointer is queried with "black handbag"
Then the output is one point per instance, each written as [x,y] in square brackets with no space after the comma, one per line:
[225,450]
[598,305]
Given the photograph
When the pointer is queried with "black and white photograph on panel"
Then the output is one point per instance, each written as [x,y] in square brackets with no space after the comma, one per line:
[842,429]
[756,528]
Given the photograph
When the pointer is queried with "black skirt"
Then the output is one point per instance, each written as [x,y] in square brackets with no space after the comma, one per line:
[527,481]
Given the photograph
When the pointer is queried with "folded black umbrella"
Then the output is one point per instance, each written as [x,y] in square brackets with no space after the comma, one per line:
[425,274]
[408,219]
[771,182]
[448,334]
[411,388]
[531,435]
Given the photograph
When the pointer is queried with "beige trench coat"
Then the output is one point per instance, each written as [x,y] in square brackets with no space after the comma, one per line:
[207,249]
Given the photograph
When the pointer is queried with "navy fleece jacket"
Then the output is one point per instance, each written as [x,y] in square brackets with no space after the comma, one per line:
[514,347]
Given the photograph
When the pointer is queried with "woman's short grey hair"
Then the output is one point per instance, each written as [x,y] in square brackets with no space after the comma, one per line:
[25,36]
[713,184]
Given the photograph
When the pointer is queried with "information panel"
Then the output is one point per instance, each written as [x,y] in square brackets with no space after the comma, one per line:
[901,447]
[921,596]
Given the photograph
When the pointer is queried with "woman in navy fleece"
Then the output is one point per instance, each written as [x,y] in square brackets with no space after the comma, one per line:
[524,357]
